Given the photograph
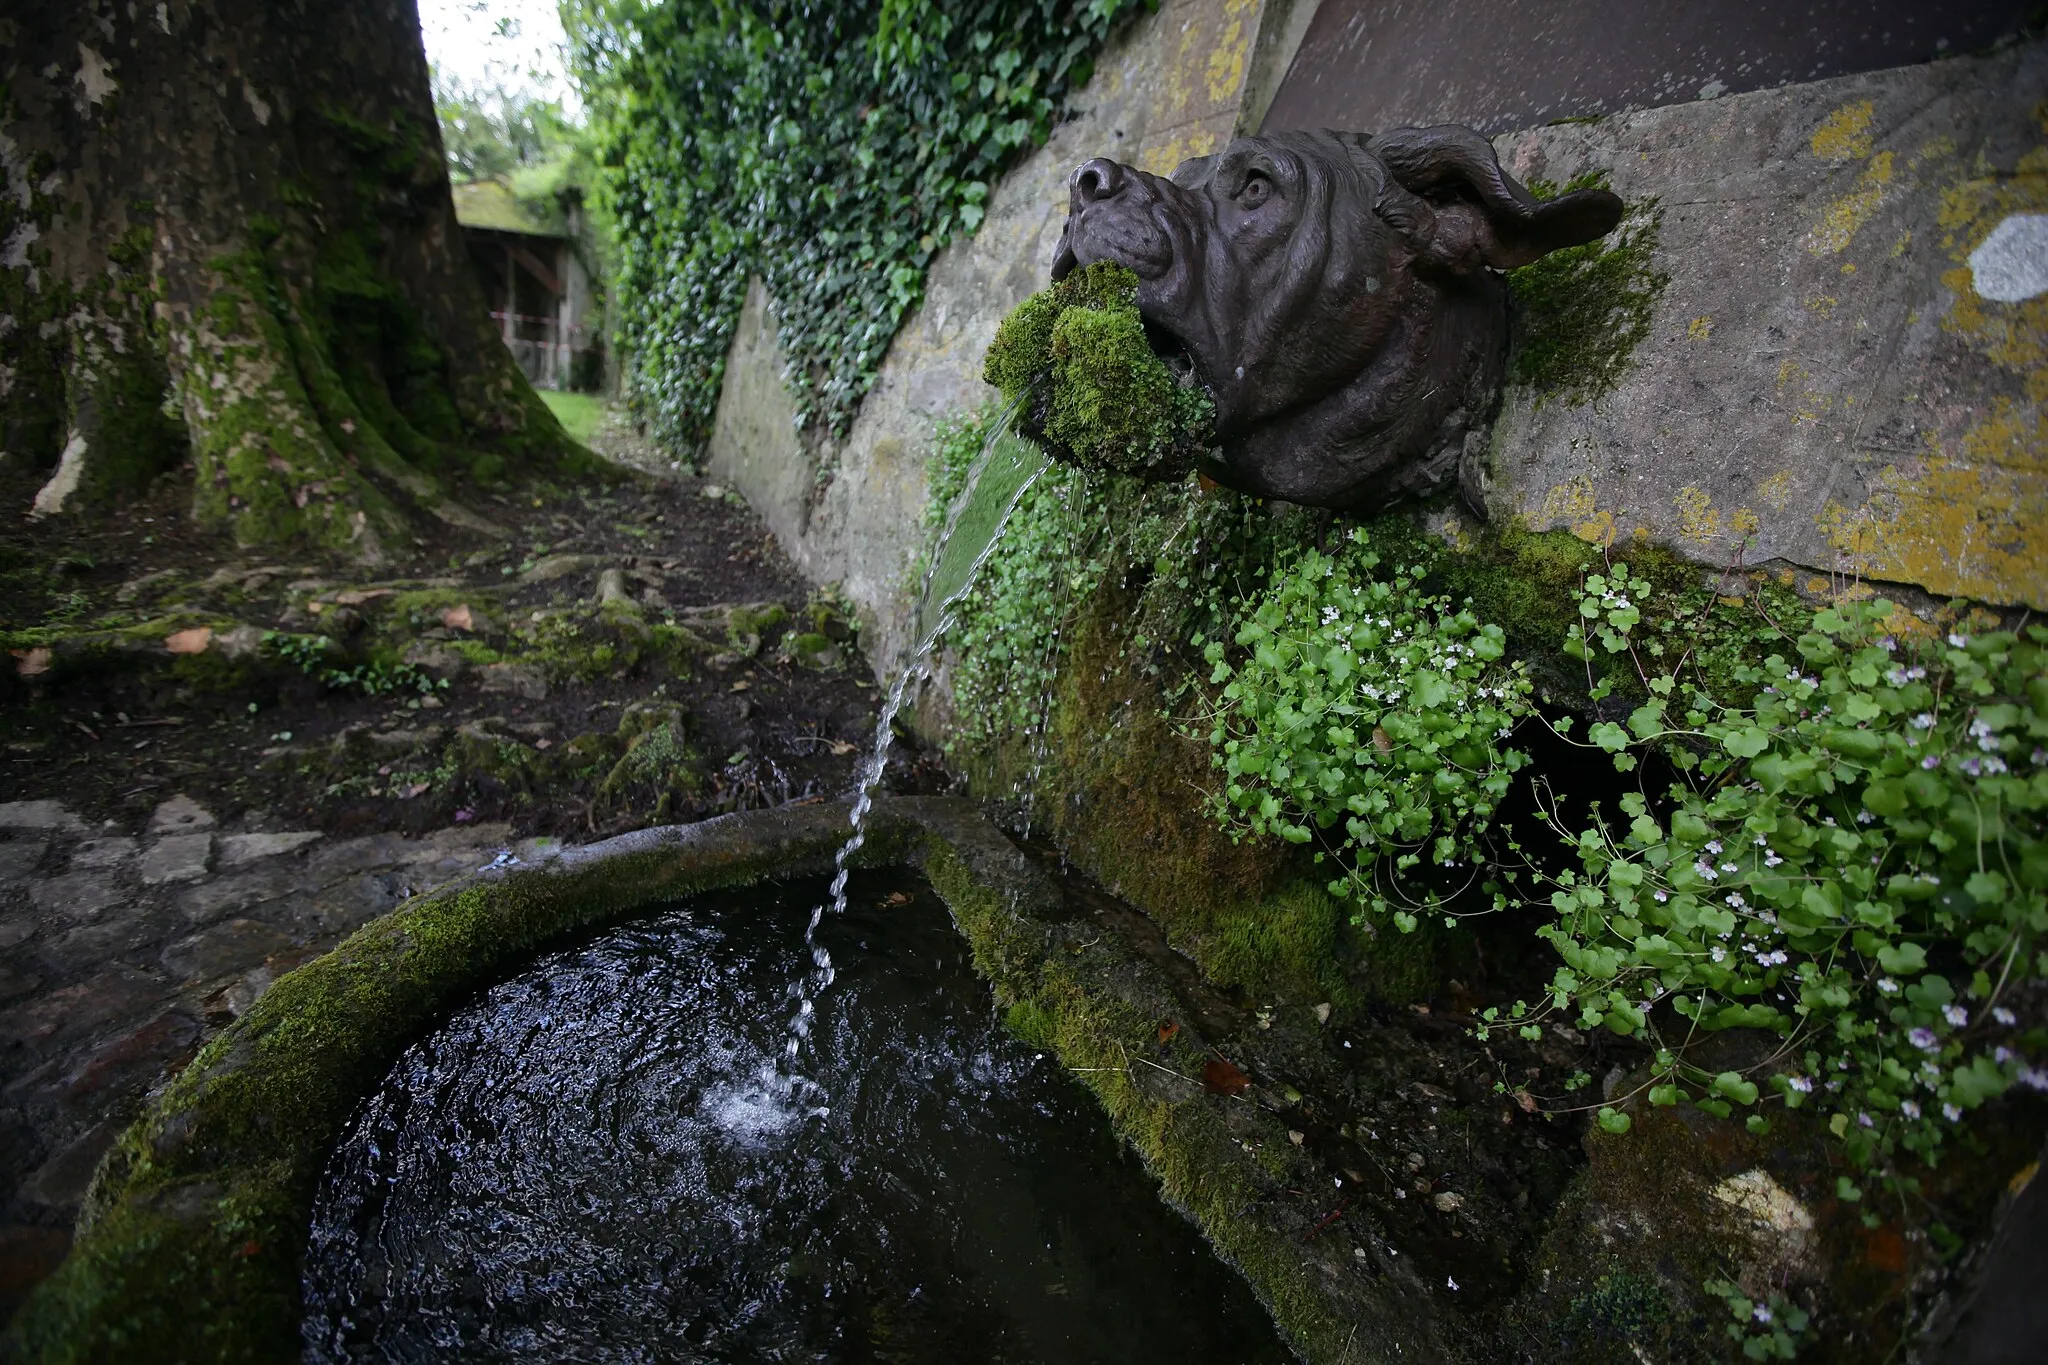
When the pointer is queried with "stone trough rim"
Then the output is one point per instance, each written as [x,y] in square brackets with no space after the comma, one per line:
[191,1241]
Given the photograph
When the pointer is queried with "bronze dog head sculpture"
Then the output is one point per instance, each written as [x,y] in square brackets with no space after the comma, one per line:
[1335,293]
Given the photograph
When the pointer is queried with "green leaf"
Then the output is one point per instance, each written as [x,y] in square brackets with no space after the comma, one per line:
[1747,742]
[1612,1120]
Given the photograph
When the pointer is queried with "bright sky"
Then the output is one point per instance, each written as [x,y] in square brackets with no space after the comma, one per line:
[516,44]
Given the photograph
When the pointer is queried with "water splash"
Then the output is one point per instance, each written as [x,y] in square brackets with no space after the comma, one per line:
[996,482]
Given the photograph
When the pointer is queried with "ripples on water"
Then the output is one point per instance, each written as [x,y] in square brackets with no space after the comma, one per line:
[595,1162]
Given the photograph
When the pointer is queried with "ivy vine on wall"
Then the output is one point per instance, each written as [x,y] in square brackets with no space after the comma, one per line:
[831,148]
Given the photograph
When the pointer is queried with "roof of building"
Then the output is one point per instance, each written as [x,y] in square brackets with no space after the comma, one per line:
[490,204]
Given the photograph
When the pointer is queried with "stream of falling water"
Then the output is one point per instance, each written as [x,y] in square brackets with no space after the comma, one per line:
[944,586]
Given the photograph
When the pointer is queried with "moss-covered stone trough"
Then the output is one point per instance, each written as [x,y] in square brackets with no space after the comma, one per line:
[191,1241]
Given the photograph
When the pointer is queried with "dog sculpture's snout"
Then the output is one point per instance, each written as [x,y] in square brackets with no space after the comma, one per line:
[1100,178]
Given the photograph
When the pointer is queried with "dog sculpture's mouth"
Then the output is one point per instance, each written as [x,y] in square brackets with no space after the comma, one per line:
[1179,360]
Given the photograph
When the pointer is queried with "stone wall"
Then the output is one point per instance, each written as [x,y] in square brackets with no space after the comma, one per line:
[1175,85]
[1823,388]
[1825,381]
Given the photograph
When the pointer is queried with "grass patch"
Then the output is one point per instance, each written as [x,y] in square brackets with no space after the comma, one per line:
[579,413]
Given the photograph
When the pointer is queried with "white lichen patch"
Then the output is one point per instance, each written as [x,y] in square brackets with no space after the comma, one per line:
[2011,265]
[96,83]
[51,498]
[1778,1225]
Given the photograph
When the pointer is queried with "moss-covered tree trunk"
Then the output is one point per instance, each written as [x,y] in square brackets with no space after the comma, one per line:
[227,241]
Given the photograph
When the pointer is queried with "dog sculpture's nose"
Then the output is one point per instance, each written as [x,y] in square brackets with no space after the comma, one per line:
[1100,178]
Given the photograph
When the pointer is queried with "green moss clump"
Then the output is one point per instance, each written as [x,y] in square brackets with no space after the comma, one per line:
[1584,310]
[1093,393]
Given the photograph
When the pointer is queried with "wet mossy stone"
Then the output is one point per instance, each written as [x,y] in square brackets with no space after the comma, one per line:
[1092,391]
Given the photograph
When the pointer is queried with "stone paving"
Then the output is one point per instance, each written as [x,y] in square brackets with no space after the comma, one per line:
[122,950]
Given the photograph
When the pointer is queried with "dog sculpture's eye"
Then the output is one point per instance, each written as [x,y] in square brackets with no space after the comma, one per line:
[1257,190]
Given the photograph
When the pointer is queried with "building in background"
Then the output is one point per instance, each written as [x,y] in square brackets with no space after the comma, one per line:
[536,264]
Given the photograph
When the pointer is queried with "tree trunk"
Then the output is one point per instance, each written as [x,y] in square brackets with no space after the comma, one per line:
[227,240]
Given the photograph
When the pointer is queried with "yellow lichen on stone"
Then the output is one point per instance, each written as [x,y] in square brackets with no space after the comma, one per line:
[1776,491]
[1970,516]
[1845,134]
[1575,506]
[1700,328]
[1697,519]
[1846,216]
[1226,60]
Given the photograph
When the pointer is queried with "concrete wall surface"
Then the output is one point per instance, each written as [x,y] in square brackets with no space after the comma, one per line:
[1828,382]
[1829,379]
[1173,86]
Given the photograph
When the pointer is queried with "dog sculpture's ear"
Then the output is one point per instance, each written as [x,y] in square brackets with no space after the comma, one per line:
[1454,168]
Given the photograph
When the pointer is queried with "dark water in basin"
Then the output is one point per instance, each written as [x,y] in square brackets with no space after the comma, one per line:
[585,1165]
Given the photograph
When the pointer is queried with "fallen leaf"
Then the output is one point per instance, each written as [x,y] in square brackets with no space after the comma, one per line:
[543,744]
[740,686]
[458,618]
[1220,1077]
[1525,1101]
[30,662]
[193,641]
[841,747]
[300,497]
[1167,1028]
[1382,741]
[316,607]
[896,898]
[1296,1136]
[1323,1013]
[414,790]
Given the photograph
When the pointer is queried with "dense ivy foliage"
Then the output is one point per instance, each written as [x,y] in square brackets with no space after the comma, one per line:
[831,148]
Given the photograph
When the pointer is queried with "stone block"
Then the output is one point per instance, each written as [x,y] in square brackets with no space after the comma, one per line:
[520,680]
[76,895]
[59,1184]
[1825,382]
[108,852]
[132,1062]
[37,815]
[227,948]
[81,1009]
[18,860]
[236,850]
[180,815]
[178,858]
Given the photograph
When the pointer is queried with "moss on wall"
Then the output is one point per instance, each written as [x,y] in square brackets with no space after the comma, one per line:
[1581,312]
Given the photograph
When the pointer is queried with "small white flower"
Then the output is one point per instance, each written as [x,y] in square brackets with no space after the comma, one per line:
[2033,1078]
[1772,859]
[1924,1039]
[1451,1282]
[1800,1083]
[1864,817]
[1923,721]
[2002,1055]
[1951,1113]
[1865,1121]
[1705,869]
[1887,985]
[1957,641]
[1931,761]
[1910,1108]
[1661,896]
[1735,900]
[1730,867]
[1719,954]
[1713,845]
[1956,1015]
[2005,1016]
[1330,614]
[1761,1313]
[1762,842]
